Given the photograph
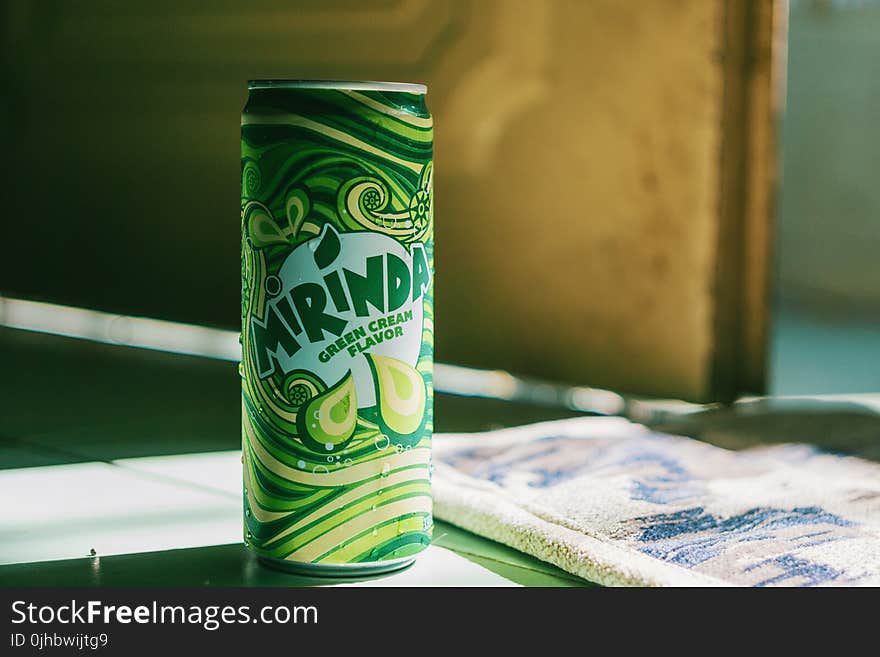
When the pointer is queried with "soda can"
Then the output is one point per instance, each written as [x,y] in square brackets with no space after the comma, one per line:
[337,262]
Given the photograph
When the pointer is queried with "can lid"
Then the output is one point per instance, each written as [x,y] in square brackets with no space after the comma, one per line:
[348,85]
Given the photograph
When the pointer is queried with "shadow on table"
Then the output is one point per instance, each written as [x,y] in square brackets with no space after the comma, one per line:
[840,427]
[233,565]
[217,565]
[72,401]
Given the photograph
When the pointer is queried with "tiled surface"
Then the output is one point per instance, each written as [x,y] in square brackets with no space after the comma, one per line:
[140,515]
[86,401]
[219,472]
[67,400]
[65,511]
[232,565]
[133,454]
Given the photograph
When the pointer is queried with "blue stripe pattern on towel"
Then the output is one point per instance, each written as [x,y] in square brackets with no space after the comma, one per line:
[619,504]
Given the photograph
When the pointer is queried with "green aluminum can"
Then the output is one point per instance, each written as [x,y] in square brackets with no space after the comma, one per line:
[337,261]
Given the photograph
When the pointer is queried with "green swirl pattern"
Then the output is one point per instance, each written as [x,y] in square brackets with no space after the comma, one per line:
[360,161]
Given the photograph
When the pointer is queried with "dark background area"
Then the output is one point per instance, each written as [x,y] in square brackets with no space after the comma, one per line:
[122,158]
[557,122]
[120,175]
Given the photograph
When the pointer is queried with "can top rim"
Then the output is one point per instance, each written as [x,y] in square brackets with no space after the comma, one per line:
[348,85]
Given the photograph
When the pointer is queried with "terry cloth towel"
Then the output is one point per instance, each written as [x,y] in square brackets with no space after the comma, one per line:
[618,504]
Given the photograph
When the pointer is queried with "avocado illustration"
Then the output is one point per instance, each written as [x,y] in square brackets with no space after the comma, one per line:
[400,399]
[327,422]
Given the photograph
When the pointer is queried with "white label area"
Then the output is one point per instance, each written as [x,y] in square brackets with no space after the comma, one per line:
[338,296]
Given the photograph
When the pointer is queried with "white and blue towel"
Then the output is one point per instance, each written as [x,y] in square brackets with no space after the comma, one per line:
[618,504]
